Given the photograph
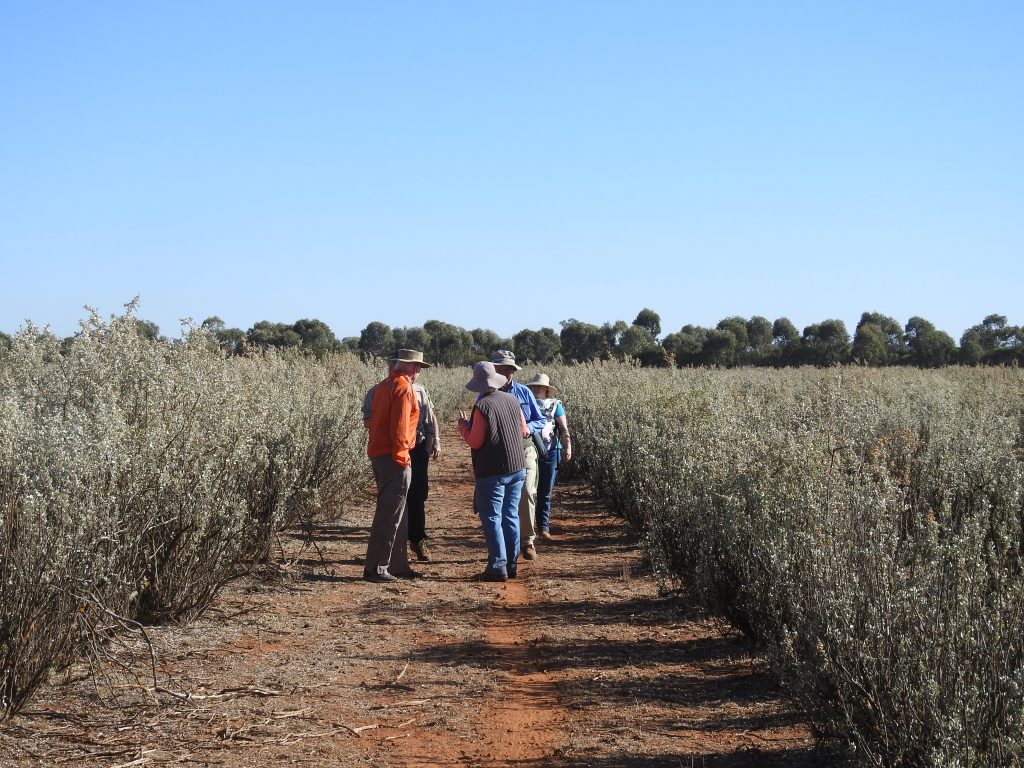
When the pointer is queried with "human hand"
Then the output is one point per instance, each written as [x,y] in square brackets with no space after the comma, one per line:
[568,453]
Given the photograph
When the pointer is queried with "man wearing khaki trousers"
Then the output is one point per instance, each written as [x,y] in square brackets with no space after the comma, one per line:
[394,415]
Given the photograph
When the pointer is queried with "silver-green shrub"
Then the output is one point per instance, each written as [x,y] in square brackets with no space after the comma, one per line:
[864,525]
[136,476]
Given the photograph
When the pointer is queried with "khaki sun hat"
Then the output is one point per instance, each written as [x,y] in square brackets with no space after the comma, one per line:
[409,356]
[542,380]
[504,357]
[485,377]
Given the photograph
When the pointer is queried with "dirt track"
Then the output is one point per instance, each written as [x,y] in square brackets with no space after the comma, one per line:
[578,662]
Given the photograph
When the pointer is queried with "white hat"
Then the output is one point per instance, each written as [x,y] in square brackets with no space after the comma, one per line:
[542,380]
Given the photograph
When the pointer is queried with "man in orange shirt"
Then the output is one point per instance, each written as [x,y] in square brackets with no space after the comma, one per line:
[394,415]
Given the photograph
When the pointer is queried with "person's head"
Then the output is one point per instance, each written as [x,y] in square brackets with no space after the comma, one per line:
[409,362]
[541,387]
[504,362]
[485,378]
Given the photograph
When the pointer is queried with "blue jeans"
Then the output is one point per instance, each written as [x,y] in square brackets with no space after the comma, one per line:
[497,502]
[548,473]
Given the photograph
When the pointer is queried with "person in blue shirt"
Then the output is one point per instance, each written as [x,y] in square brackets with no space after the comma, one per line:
[556,443]
[505,363]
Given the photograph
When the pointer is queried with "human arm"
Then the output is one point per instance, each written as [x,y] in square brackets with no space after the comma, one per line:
[563,432]
[402,421]
[523,425]
[430,428]
[368,406]
[473,430]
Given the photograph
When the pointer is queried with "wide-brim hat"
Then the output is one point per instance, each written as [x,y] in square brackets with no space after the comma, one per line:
[542,380]
[485,377]
[409,356]
[504,357]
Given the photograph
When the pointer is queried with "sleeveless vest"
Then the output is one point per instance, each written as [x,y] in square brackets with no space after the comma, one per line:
[502,451]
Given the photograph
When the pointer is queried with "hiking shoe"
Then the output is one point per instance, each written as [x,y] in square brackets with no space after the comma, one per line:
[529,552]
[421,551]
[490,576]
[546,535]
[375,577]
[513,572]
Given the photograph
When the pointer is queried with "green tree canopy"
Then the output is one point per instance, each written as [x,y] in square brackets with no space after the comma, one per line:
[377,340]
[927,346]
[650,320]
[583,342]
[993,341]
[759,339]
[449,344]
[825,343]
[539,347]
[869,345]
[686,346]
[721,347]
[892,336]
[266,334]
[147,329]
[638,342]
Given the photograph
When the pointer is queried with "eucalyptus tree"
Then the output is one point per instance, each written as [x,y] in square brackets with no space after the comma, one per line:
[540,347]
[376,340]
[927,346]
[582,342]
[825,343]
[649,319]
[888,330]
[687,345]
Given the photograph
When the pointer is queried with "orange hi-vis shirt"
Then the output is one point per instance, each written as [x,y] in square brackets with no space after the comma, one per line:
[394,414]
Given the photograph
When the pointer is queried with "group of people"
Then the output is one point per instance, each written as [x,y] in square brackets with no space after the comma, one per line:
[518,435]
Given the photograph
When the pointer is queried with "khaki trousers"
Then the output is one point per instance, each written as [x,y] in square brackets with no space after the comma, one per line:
[389,533]
[528,501]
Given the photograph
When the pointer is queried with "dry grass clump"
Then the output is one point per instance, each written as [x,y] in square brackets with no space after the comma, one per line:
[864,525]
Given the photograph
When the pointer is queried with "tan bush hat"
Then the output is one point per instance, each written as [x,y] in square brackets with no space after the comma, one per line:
[485,377]
[542,380]
[409,356]
[504,357]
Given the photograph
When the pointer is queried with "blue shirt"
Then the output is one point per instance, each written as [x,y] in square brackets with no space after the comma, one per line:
[531,411]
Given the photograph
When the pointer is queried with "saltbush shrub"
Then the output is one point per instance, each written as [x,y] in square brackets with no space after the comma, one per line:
[864,526]
[136,476]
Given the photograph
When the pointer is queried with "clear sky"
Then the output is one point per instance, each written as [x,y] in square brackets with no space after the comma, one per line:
[511,165]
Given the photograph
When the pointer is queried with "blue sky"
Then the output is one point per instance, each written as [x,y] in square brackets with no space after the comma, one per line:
[511,165]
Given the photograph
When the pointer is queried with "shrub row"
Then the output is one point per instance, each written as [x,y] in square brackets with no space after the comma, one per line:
[136,476]
[864,526]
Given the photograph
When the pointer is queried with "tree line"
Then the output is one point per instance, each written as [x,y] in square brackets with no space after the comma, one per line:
[878,340]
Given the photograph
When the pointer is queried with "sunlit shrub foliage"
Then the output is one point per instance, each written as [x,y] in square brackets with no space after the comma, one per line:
[136,476]
[863,525]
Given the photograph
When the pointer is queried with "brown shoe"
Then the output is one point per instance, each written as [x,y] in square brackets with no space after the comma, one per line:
[490,576]
[529,552]
[420,548]
[546,535]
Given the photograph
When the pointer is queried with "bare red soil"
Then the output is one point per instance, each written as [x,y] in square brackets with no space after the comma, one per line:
[578,662]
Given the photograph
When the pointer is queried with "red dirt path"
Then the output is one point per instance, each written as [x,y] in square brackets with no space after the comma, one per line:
[578,662]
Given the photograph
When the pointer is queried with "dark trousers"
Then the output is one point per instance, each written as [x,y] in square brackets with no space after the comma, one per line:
[418,490]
